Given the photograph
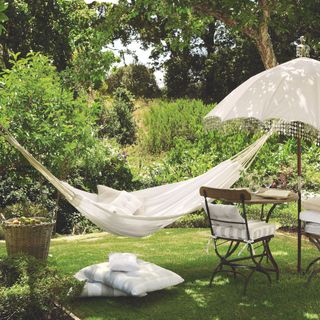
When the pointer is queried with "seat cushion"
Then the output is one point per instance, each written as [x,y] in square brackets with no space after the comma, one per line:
[313,228]
[310,216]
[257,229]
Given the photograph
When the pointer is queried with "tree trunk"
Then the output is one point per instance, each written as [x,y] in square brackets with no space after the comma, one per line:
[264,45]
[259,35]
[263,40]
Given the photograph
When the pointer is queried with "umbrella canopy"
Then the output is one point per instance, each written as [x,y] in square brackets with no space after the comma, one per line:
[289,92]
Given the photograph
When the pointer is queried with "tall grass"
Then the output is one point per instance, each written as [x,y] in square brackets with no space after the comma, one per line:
[168,120]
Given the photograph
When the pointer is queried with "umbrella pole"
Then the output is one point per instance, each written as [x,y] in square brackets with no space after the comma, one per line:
[299,201]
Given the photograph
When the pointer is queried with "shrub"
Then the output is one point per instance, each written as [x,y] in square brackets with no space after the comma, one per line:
[119,121]
[29,289]
[103,164]
[194,220]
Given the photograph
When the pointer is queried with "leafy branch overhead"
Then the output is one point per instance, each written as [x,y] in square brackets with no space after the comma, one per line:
[171,24]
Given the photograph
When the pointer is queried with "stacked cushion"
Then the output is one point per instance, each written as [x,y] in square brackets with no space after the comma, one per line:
[146,278]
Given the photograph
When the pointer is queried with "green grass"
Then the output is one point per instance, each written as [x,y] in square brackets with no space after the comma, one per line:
[183,251]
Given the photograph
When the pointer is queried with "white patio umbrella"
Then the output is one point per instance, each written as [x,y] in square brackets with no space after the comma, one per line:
[289,92]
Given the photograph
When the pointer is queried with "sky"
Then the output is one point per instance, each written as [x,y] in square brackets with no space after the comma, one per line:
[143,55]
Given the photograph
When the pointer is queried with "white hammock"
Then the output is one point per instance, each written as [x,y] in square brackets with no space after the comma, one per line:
[161,205]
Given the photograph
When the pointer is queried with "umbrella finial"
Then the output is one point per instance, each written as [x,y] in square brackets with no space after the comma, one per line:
[302,49]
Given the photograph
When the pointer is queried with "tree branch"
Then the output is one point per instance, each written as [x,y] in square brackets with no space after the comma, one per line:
[205,9]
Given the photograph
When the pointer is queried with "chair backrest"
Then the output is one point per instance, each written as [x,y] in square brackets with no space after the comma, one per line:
[227,195]
[226,215]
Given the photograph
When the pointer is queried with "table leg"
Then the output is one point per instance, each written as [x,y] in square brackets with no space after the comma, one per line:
[270,212]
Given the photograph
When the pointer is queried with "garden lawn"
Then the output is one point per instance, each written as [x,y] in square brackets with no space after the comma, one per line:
[183,251]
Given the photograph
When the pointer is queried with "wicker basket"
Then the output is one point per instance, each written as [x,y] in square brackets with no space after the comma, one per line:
[33,240]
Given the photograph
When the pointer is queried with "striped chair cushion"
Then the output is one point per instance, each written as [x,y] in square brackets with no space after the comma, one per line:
[257,229]
[313,228]
[310,216]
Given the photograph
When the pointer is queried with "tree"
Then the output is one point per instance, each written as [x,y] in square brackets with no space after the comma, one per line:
[66,31]
[137,78]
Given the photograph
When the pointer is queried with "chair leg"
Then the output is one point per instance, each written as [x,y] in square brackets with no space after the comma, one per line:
[315,272]
[215,271]
[271,258]
[256,266]
[314,239]
[311,264]
[247,281]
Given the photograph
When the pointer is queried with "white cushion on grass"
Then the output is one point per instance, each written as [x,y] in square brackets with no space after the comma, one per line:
[149,277]
[224,212]
[123,262]
[98,289]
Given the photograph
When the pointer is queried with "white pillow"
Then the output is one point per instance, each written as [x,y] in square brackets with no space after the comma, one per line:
[225,212]
[127,204]
[106,194]
[123,262]
[149,277]
[98,289]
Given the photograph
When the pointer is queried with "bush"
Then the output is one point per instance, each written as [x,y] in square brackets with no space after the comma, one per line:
[119,122]
[103,164]
[29,289]
[194,220]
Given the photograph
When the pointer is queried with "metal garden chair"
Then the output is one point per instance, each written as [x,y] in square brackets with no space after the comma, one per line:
[227,225]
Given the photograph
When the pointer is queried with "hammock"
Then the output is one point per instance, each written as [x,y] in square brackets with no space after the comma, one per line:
[161,205]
